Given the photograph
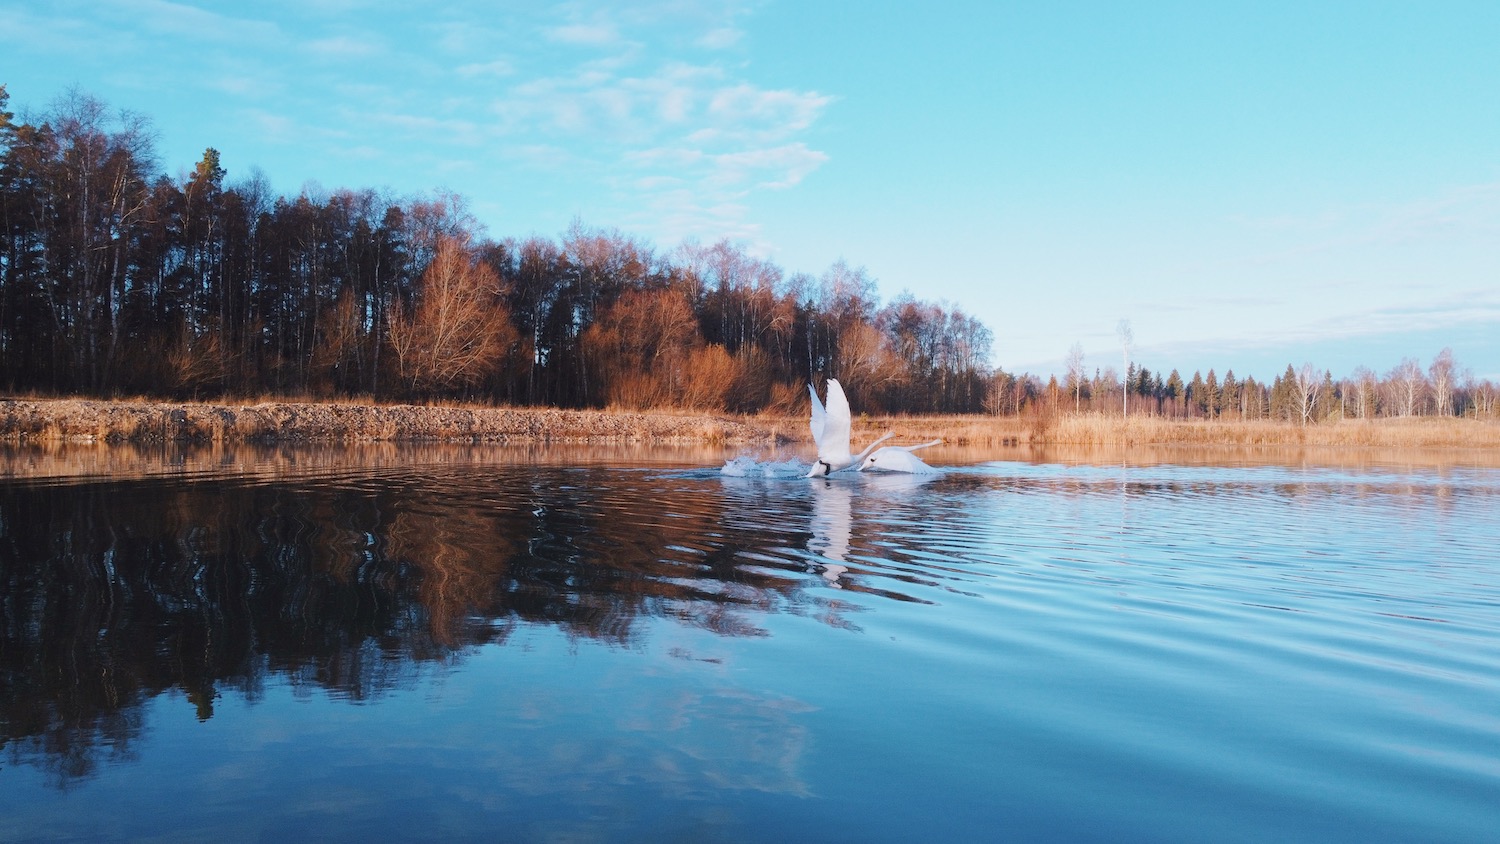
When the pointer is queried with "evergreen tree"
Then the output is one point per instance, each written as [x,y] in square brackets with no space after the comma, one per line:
[1327,401]
[1194,395]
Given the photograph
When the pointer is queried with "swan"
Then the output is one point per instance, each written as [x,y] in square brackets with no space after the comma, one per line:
[899,458]
[830,430]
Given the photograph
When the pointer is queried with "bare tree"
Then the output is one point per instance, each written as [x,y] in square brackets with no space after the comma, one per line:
[458,331]
[1363,384]
[1483,394]
[1307,384]
[1127,337]
[1442,374]
[1075,374]
[1406,385]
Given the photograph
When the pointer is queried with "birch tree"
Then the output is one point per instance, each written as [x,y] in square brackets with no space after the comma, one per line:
[1075,375]
[1407,386]
[1442,374]
[1307,383]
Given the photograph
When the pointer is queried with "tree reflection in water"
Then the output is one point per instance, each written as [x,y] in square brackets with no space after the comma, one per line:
[114,593]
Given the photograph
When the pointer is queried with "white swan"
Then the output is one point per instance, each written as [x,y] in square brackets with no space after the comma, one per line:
[830,430]
[899,458]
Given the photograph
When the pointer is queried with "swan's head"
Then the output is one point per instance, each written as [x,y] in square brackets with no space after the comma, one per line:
[869,462]
[820,469]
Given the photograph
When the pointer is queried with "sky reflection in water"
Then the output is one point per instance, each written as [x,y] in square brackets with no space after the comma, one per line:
[1033,650]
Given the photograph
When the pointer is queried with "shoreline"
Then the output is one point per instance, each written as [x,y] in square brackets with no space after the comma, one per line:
[108,422]
[139,422]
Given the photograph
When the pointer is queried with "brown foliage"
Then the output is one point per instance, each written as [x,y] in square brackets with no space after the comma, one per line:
[639,345]
[458,332]
[707,378]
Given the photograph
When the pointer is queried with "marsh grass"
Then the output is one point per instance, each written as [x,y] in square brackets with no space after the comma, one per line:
[280,420]
[114,422]
[1094,429]
[1421,432]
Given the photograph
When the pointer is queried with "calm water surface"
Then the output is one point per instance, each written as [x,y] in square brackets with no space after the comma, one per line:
[592,647]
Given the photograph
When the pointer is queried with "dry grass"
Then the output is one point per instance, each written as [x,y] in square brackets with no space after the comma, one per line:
[1092,429]
[1096,429]
[83,421]
[62,459]
[280,420]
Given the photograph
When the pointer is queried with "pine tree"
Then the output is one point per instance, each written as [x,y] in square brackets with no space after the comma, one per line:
[1229,395]
[1195,393]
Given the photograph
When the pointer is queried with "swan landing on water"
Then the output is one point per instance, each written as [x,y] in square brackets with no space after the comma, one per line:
[899,458]
[830,430]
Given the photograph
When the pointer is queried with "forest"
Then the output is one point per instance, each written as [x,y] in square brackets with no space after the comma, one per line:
[118,280]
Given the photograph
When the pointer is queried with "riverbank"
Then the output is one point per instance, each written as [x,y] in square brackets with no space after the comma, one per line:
[143,422]
[1411,432]
[1094,429]
[114,422]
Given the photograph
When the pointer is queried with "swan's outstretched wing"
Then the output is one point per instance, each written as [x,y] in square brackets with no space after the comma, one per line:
[834,446]
[819,417]
[898,458]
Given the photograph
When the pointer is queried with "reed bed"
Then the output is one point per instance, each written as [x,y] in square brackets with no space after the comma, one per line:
[1095,429]
[83,421]
[118,422]
[1098,429]
[71,459]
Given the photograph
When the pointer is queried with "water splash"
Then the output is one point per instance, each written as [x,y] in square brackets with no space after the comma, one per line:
[749,467]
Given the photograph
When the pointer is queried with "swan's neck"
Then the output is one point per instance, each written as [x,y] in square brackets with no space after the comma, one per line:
[860,458]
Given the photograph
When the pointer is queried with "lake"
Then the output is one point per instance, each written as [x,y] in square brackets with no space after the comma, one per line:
[618,644]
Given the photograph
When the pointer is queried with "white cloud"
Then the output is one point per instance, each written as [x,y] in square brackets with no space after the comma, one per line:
[1466,209]
[178,19]
[687,101]
[631,111]
[776,167]
[496,68]
[540,156]
[748,108]
[424,126]
[340,47]
[720,39]
[584,35]
[275,127]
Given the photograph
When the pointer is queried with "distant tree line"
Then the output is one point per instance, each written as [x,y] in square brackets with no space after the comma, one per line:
[1301,395]
[117,280]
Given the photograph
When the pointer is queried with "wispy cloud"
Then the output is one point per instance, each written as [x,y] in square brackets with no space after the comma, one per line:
[1461,210]
[584,34]
[646,113]
[772,168]
[776,168]
[182,20]
[496,68]
[720,39]
[756,111]
[1467,309]
[696,104]
[341,47]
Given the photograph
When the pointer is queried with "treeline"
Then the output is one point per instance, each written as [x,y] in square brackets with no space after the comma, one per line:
[117,280]
[1301,396]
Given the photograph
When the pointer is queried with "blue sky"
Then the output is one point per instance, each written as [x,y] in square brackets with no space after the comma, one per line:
[1250,185]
